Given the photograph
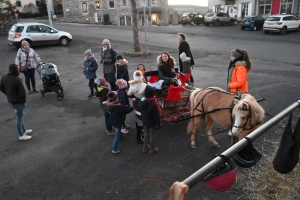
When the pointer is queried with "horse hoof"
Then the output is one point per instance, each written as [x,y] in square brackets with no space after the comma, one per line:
[193,146]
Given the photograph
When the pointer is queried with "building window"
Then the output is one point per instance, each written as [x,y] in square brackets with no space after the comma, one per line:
[111,4]
[37,3]
[124,2]
[143,2]
[97,4]
[264,7]
[286,6]
[18,4]
[218,8]
[84,7]
[244,10]
[153,2]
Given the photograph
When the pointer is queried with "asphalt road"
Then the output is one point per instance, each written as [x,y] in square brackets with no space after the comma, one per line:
[70,156]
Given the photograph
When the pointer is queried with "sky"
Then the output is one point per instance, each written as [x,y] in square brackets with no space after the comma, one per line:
[189,2]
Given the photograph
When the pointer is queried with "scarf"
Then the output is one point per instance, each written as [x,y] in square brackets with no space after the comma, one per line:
[106,49]
[89,58]
[26,58]
[158,107]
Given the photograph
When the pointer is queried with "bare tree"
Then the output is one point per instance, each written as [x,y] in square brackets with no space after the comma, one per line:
[136,43]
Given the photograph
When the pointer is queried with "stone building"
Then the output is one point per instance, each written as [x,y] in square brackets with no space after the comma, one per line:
[119,11]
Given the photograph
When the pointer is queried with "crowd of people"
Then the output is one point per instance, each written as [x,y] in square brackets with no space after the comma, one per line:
[115,88]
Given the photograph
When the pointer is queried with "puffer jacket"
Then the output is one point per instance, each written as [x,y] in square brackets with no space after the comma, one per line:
[122,70]
[13,88]
[239,78]
[164,71]
[90,68]
[117,112]
[137,86]
[32,59]
[102,92]
[150,116]
[108,59]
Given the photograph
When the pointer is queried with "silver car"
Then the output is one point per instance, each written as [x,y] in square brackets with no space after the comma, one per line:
[37,34]
[218,19]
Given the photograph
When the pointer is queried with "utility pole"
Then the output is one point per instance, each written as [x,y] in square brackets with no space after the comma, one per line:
[150,4]
[49,14]
[145,18]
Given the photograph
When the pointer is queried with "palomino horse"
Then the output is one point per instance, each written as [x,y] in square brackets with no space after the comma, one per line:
[214,104]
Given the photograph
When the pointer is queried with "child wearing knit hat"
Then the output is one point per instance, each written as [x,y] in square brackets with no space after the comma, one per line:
[90,67]
[123,99]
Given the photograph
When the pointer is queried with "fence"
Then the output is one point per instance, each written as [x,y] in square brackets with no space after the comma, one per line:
[179,189]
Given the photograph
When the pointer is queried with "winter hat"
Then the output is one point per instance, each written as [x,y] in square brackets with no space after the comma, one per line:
[112,96]
[106,41]
[137,75]
[121,83]
[88,52]
[24,42]
[101,81]
[236,53]
[119,57]
[149,91]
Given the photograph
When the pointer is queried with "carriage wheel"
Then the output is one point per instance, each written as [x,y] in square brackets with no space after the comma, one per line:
[61,89]
[42,93]
[60,96]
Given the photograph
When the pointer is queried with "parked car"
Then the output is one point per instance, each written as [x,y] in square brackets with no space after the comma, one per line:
[218,18]
[192,18]
[281,23]
[37,34]
[252,22]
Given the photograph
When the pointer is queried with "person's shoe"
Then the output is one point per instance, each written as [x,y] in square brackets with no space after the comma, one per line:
[91,96]
[28,131]
[112,132]
[123,138]
[154,151]
[35,91]
[124,130]
[113,129]
[115,152]
[127,126]
[29,91]
[25,137]
[145,150]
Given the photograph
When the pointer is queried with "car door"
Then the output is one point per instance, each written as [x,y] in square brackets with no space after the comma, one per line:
[33,32]
[260,21]
[226,18]
[295,22]
[49,35]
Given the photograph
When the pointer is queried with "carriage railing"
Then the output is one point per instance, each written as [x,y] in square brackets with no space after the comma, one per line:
[179,189]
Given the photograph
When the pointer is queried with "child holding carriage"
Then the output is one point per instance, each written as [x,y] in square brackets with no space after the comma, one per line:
[117,112]
[101,92]
[151,112]
[89,70]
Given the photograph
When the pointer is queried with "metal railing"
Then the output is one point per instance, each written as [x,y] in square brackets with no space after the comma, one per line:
[199,175]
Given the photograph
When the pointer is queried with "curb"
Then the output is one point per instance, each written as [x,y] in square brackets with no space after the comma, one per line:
[132,53]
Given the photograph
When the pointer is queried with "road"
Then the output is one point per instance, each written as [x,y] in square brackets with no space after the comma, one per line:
[70,156]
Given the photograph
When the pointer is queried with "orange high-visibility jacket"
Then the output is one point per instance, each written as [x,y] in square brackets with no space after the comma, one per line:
[239,78]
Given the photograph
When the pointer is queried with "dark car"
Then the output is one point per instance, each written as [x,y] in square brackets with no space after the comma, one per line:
[192,18]
[252,22]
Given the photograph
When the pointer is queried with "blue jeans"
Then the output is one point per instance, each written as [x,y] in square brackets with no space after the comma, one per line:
[30,76]
[107,121]
[19,110]
[118,136]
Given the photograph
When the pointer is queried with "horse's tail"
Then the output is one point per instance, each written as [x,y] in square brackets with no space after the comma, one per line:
[191,123]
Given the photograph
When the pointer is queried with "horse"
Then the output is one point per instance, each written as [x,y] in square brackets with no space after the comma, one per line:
[214,104]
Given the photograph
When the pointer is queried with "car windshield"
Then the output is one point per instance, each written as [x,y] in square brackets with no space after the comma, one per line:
[248,19]
[273,19]
[209,14]
[17,29]
[185,14]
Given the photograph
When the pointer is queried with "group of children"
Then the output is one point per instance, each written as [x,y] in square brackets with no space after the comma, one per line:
[115,104]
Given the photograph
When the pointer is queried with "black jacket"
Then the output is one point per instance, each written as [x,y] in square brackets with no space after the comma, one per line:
[117,112]
[12,87]
[185,47]
[150,116]
[102,94]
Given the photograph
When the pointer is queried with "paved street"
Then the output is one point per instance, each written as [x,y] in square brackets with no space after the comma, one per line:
[70,156]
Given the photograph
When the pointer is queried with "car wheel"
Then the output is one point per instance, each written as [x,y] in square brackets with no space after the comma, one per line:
[198,24]
[254,28]
[183,24]
[298,29]
[217,23]
[266,32]
[192,23]
[64,41]
[282,30]
[206,24]
[243,28]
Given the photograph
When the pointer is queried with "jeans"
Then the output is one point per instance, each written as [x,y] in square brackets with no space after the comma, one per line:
[30,76]
[107,121]
[19,110]
[118,136]
[149,131]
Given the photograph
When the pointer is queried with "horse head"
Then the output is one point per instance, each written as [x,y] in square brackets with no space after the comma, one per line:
[247,116]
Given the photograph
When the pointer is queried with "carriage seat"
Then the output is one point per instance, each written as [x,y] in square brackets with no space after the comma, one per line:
[154,75]
[174,93]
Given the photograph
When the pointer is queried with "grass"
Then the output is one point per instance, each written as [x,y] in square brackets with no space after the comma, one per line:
[262,182]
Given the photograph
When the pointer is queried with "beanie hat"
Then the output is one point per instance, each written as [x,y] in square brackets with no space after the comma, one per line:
[112,96]
[101,81]
[149,91]
[121,83]
[137,75]
[106,41]
[24,42]
[119,57]
[88,52]
[236,53]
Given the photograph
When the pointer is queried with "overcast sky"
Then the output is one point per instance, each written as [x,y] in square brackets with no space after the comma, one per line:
[189,2]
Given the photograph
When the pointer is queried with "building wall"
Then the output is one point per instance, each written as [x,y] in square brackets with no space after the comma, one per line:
[26,2]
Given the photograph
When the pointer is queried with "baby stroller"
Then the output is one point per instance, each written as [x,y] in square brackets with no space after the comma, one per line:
[50,78]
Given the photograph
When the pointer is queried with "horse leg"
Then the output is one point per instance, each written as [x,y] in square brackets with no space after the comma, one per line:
[192,128]
[211,139]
